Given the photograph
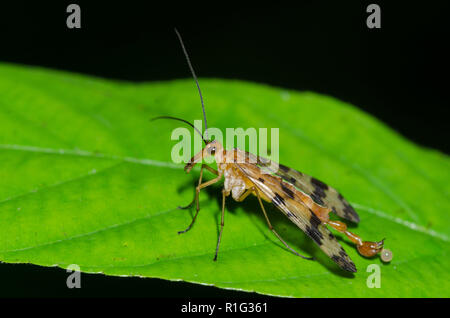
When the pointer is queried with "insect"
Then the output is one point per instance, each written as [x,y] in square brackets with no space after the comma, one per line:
[305,200]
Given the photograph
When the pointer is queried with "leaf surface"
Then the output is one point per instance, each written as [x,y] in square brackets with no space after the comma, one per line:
[86,179]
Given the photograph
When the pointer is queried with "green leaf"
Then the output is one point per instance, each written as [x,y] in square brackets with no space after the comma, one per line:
[86,179]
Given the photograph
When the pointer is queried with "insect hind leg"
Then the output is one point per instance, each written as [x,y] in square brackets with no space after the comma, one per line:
[253,189]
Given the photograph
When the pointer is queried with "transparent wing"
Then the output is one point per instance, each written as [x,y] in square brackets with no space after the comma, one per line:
[287,199]
[321,193]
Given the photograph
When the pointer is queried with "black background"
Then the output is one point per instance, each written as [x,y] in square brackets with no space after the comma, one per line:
[398,73]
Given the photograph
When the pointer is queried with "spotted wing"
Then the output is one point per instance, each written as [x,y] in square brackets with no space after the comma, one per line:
[286,198]
[321,193]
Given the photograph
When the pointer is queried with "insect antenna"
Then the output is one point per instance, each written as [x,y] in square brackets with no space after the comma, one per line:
[196,80]
[184,121]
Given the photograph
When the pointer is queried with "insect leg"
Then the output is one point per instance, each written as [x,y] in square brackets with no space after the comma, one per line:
[224,195]
[273,230]
[195,195]
[365,248]
[211,169]
[199,182]
[245,194]
[197,192]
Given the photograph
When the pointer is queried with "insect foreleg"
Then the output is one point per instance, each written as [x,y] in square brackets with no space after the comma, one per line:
[199,182]
[271,227]
[197,192]
[210,169]
[224,195]
[365,248]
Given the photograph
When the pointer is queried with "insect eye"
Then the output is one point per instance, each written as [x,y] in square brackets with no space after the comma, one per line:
[212,150]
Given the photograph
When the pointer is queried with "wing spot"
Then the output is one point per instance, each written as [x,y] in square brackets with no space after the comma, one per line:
[349,212]
[291,215]
[317,199]
[278,200]
[318,184]
[290,180]
[344,263]
[315,221]
[314,234]
[342,252]
[287,191]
